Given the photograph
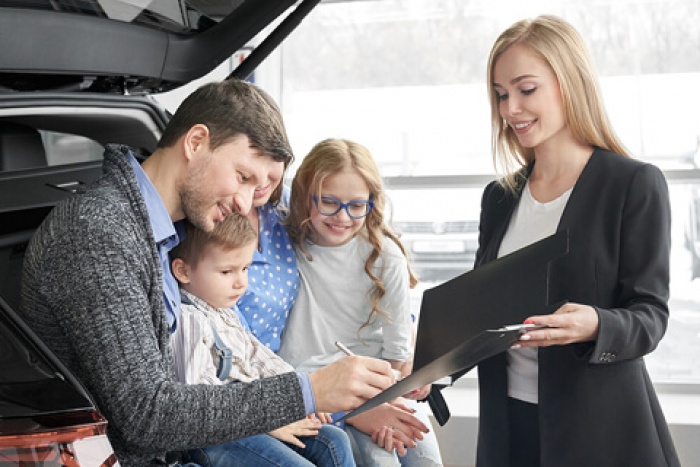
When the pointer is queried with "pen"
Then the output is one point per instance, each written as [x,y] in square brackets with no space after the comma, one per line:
[344,349]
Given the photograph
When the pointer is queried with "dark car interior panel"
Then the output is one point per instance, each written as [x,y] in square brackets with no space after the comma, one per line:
[20,147]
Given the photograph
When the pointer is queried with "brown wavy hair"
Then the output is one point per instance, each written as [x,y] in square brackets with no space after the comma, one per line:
[328,158]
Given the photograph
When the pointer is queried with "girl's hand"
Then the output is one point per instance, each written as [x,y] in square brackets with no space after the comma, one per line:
[572,322]
[308,426]
[391,426]
[384,438]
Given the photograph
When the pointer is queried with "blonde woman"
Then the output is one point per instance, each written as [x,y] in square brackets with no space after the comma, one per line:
[355,282]
[576,393]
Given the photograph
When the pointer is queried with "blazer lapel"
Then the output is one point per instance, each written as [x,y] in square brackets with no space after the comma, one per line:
[584,186]
[582,189]
[506,206]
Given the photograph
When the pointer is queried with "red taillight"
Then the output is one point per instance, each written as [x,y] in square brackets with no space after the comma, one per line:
[66,440]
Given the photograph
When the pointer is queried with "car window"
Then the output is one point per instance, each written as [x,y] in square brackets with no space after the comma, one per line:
[24,147]
[409,84]
[62,148]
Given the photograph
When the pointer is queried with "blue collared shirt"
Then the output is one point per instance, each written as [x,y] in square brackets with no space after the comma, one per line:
[166,234]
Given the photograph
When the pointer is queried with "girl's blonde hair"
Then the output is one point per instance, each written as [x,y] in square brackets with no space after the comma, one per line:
[328,158]
[562,48]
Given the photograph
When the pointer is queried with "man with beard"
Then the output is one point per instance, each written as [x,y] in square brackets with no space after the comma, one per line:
[97,285]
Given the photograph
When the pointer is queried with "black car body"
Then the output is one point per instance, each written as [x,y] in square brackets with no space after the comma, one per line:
[74,76]
[47,417]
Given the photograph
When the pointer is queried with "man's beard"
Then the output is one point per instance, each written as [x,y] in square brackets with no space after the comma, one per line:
[195,204]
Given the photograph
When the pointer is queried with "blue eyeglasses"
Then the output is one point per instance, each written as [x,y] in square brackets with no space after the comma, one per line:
[356,209]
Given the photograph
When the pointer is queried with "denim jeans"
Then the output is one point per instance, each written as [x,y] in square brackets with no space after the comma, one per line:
[329,448]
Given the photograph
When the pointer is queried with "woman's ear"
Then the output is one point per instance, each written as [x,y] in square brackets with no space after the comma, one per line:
[181,271]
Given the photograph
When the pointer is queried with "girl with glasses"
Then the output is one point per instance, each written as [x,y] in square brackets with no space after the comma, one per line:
[355,281]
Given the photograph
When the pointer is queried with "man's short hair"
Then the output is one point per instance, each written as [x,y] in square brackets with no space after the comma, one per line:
[229,109]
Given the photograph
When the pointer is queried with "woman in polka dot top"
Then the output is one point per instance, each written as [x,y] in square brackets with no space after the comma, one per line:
[273,277]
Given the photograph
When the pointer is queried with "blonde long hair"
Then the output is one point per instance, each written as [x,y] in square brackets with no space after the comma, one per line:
[326,158]
[562,48]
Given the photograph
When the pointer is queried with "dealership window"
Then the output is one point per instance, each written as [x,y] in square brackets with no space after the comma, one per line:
[406,79]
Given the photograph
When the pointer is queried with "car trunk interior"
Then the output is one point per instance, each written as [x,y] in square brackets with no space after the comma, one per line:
[31,183]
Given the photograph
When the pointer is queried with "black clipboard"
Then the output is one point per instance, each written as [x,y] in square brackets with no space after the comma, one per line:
[463,321]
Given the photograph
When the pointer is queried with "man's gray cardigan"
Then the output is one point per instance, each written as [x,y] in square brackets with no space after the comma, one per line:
[92,290]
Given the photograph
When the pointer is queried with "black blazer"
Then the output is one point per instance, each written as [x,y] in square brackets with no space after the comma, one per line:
[597,404]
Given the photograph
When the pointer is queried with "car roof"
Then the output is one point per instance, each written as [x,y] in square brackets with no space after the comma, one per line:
[122,46]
